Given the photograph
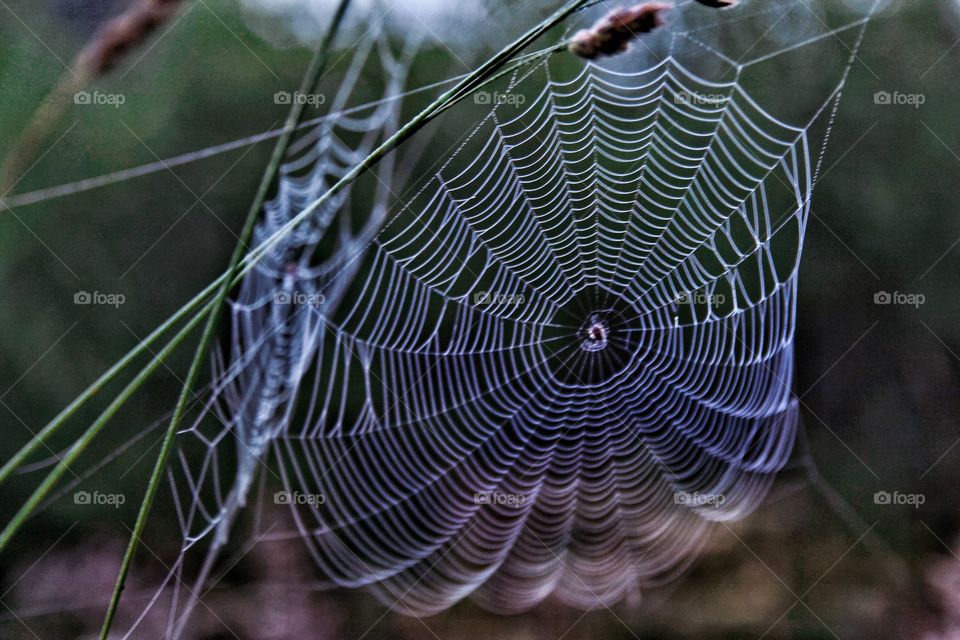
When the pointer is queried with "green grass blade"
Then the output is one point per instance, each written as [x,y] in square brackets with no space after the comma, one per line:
[310,80]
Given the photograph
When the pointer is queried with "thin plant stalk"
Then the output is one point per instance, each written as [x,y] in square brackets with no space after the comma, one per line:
[479,77]
[489,72]
[61,418]
[462,89]
[310,81]
[116,37]
[81,444]
[48,431]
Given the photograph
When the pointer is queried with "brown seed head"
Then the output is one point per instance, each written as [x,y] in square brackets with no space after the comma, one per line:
[612,33]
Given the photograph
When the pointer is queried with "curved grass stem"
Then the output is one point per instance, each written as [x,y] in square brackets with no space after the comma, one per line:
[51,428]
[81,444]
[241,262]
[61,418]
[310,80]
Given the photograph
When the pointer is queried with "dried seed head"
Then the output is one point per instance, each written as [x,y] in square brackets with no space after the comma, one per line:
[122,33]
[582,44]
[612,33]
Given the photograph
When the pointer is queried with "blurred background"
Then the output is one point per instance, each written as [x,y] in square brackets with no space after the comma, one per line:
[878,344]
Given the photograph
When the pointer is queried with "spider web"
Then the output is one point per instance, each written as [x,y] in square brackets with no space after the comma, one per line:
[552,368]
[471,339]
